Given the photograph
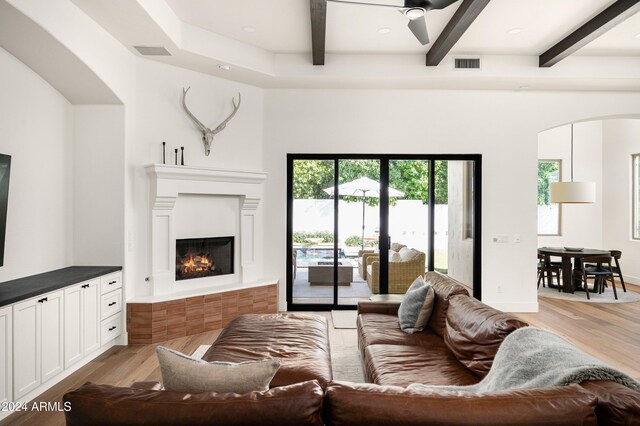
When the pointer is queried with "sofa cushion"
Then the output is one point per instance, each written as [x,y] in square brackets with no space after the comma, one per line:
[416,306]
[407,253]
[298,404]
[299,341]
[403,365]
[444,288]
[618,404]
[183,373]
[375,329]
[475,332]
[364,404]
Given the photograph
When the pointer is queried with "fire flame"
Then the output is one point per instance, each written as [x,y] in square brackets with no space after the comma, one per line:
[199,264]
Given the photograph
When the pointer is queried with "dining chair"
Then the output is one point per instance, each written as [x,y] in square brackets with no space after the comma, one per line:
[617,254]
[615,268]
[544,265]
[601,273]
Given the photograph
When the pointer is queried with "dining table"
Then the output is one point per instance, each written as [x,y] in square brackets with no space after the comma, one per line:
[571,261]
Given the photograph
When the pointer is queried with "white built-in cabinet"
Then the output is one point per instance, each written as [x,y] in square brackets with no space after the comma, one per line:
[111,307]
[43,336]
[81,321]
[6,354]
[37,341]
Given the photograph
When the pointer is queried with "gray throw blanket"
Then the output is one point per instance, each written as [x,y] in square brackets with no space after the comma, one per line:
[534,358]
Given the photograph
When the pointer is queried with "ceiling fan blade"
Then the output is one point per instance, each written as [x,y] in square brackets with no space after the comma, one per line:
[441,4]
[419,29]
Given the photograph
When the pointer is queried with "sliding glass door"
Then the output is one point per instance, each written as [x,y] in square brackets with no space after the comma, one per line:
[362,226]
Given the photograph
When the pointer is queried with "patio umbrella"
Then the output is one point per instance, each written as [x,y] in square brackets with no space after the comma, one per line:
[363,187]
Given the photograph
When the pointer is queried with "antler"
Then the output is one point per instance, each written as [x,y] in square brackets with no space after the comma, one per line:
[197,122]
[226,120]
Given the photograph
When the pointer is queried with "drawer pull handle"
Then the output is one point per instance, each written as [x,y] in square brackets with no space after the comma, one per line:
[112,328]
[112,282]
[112,303]
[85,286]
[44,299]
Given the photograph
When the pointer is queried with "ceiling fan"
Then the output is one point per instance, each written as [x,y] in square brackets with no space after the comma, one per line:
[414,10]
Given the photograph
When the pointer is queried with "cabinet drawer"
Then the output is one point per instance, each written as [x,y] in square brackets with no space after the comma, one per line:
[110,303]
[110,282]
[111,328]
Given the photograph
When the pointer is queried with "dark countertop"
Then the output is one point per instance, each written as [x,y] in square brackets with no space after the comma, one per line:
[25,288]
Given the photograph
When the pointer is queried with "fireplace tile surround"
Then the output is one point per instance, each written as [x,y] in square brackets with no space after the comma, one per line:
[174,309]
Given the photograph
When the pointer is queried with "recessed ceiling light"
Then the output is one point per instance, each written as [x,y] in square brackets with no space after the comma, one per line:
[523,87]
[224,67]
[384,30]
[514,31]
[249,29]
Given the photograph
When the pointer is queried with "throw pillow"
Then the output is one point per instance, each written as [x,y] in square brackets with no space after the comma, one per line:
[183,373]
[416,307]
[396,246]
[394,256]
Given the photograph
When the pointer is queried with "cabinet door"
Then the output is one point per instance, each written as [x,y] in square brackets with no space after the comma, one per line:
[6,367]
[51,338]
[26,347]
[91,316]
[73,324]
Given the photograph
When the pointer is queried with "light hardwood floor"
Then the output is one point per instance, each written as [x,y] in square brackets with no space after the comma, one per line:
[610,332]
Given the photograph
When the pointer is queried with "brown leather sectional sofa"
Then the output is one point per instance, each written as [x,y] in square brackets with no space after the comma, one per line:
[457,348]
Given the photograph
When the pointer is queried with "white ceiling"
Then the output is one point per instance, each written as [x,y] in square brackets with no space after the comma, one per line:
[202,34]
[283,26]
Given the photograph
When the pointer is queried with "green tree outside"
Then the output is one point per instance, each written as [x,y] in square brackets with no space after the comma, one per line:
[311,177]
[548,172]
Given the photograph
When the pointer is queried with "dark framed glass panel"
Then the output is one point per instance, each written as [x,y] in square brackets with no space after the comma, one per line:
[355,224]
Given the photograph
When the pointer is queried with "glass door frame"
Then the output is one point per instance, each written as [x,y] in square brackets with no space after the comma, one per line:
[384,220]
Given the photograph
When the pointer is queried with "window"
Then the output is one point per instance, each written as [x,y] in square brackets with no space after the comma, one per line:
[548,213]
[636,196]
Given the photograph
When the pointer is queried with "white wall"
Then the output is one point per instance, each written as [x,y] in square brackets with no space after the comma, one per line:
[502,126]
[159,117]
[36,129]
[621,140]
[98,185]
[581,224]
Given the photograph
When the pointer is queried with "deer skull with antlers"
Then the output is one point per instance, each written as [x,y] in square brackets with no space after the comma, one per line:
[207,133]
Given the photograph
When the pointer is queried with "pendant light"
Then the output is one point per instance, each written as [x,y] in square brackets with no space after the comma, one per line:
[573,192]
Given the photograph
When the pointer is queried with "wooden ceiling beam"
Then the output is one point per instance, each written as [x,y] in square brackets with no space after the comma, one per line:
[318,30]
[460,21]
[594,28]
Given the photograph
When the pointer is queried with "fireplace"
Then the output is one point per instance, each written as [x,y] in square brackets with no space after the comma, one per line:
[204,257]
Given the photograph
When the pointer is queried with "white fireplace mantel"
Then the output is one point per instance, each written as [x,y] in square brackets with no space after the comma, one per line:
[168,182]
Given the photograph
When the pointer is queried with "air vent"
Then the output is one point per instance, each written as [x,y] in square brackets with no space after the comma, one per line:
[152,50]
[466,63]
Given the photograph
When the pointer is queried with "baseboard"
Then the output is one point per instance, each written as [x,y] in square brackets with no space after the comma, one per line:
[60,377]
[122,340]
[631,279]
[513,306]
